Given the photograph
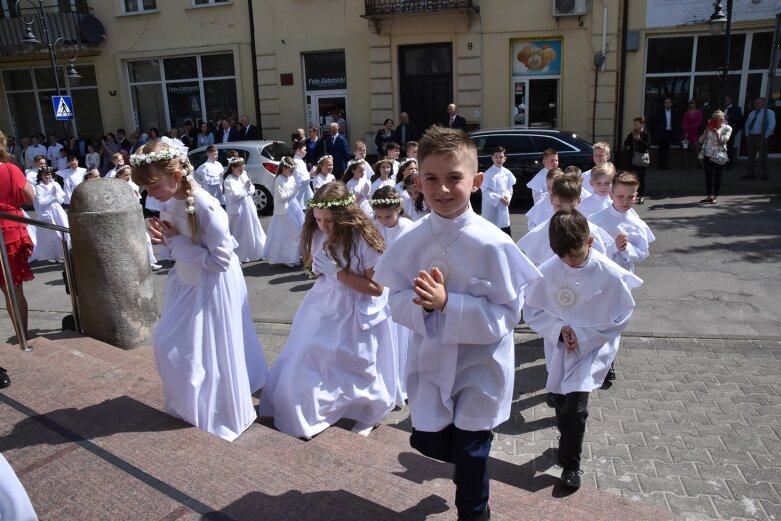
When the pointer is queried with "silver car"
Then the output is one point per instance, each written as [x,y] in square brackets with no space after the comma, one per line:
[261,159]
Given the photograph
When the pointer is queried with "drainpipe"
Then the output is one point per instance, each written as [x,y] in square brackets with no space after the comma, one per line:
[255,88]
[617,131]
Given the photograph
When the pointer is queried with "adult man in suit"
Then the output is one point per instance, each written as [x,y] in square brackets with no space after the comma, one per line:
[760,125]
[250,132]
[733,118]
[666,129]
[454,120]
[227,134]
[336,146]
[124,142]
[406,130]
[16,151]
[81,145]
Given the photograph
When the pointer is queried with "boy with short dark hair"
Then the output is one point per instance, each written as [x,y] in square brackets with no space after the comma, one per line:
[411,149]
[579,307]
[456,281]
[497,191]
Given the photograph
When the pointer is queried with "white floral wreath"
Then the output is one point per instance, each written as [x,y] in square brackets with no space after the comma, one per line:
[234,160]
[384,202]
[328,203]
[161,155]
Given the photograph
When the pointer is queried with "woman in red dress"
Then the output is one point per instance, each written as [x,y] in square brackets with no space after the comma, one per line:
[14,192]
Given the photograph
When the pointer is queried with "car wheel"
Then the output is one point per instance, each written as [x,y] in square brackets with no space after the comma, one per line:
[263,200]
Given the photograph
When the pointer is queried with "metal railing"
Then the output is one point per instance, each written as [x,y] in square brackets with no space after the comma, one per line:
[63,25]
[21,334]
[386,7]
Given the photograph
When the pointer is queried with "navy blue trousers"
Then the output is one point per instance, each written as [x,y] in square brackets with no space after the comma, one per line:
[468,451]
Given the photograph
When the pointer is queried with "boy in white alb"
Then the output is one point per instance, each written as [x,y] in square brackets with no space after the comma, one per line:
[117,160]
[394,151]
[543,209]
[601,179]
[456,281]
[72,177]
[497,190]
[32,173]
[209,174]
[601,156]
[564,195]
[579,307]
[301,174]
[550,160]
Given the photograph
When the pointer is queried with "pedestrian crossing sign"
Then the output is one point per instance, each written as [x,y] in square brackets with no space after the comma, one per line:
[63,108]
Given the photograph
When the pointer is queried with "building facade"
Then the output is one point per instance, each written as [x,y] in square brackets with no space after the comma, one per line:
[589,67]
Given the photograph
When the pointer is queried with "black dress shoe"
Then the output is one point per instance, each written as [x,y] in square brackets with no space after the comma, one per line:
[611,374]
[551,401]
[5,381]
[570,479]
[485,515]
[706,200]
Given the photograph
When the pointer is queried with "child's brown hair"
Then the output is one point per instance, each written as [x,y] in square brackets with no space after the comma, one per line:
[568,231]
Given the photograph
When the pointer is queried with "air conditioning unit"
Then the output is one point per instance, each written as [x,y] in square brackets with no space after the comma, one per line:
[570,7]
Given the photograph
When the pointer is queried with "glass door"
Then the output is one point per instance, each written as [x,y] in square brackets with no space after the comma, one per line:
[519,103]
[543,104]
[324,108]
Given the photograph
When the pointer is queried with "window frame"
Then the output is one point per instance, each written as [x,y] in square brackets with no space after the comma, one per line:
[140,9]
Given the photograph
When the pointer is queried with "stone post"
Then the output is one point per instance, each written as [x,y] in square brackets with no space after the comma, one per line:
[113,276]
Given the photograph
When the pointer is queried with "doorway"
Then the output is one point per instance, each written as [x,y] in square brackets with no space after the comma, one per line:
[535,102]
[426,82]
[323,106]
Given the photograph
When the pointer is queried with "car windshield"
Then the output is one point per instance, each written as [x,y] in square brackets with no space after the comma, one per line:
[276,150]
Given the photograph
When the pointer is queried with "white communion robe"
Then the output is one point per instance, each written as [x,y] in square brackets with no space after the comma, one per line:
[361,189]
[14,503]
[595,300]
[497,184]
[47,204]
[338,361]
[460,362]
[301,175]
[538,185]
[207,352]
[243,218]
[209,176]
[321,179]
[402,333]
[379,183]
[71,179]
[593,204]
[536,243]
[282,240]
[639,235]
[540,212]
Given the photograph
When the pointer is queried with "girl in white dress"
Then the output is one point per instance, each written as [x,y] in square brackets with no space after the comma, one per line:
[321,174]
[412,200]
[242,213]
[385,169]
[48,207]
[123,173]
[390,222]
[407,169]
[301,174]
[354,178]
[338,361]
[205,345]
[282,242]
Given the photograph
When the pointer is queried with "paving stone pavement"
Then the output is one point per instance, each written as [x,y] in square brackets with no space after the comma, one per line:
[692,425]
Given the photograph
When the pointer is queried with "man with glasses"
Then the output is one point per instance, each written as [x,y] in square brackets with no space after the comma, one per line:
[666,129]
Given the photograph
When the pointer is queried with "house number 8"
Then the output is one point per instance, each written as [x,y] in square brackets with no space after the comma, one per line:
[469,46]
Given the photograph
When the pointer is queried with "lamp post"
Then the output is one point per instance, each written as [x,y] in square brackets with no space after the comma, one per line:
[720,22]
[29,38]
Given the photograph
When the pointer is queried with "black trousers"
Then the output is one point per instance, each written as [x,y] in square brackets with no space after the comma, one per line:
[712,176]
[468,451]
[663,150]
[571,415]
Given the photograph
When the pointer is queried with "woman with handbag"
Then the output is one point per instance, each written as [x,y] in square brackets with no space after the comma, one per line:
[714,154]
[638,143]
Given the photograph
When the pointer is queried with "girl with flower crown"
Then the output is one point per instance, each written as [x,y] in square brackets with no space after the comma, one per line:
[390,222]
[205,346]
[285,229]
[338,361]
[383,177]
[321,174]
[354,178]
[242,212]
[48,207]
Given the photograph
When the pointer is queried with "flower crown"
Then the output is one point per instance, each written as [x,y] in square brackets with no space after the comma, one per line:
[235,160]
[328,203]
[165,154]
[385,202]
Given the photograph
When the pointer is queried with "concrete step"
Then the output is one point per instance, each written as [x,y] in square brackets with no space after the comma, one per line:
[83,425]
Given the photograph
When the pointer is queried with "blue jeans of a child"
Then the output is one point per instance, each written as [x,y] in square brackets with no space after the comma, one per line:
[468,451]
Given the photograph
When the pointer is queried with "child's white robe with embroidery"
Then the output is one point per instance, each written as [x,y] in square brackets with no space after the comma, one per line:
[497,184]
[536,243]
[595,300]
[460,362]
[638,234]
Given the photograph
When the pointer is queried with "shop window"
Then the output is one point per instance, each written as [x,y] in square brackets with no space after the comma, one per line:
[180,68]
[217,65]
[139,6]
[17,79]
[710,52]
[143,70]
[670,54]
[761,47]
[209,2]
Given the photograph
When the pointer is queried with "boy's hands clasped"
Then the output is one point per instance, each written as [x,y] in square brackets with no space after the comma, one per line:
[569,338]
[430,290]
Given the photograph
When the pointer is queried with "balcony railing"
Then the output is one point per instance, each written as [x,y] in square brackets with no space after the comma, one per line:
[67,25]
[388,7]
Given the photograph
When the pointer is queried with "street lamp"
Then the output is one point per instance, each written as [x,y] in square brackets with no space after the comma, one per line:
[722,22]
[70,74]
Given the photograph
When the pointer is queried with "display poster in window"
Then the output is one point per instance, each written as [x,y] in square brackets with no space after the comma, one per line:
[325,71]
[536,58]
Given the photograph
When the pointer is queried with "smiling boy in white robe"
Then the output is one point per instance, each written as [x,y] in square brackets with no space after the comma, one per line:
[456,281]
[579,308]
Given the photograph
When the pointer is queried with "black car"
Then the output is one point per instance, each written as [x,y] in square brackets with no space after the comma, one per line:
[524,152]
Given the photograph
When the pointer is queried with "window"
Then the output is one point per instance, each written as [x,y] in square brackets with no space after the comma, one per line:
[139,6]
[546,142]
[167,92]
[209,2]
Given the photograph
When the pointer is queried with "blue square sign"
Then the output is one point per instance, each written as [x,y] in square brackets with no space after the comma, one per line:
[63,108]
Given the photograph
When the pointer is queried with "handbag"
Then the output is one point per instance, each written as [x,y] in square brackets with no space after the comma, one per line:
[640,158]
[719,157]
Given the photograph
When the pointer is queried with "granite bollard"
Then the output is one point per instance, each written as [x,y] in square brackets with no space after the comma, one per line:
[113,276]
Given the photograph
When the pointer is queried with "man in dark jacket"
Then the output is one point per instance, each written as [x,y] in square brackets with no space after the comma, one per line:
[406,130]
[336,146]
[666,130]
[454,120]
[733,118]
